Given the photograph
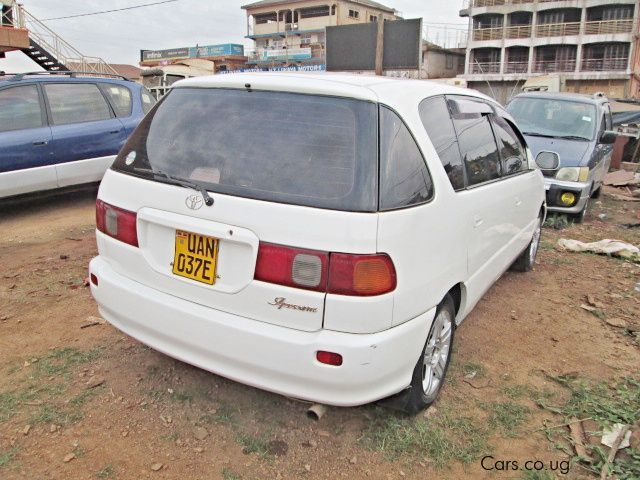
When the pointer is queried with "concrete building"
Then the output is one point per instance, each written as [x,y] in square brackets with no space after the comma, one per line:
[593,44]
[287,32]
[439,62]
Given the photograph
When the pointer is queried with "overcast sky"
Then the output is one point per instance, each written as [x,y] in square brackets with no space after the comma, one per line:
[118,37]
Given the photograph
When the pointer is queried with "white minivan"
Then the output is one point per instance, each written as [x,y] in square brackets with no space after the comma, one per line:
[319,236]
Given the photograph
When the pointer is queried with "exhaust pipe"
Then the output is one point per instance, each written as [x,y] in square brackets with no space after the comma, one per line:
[316,411]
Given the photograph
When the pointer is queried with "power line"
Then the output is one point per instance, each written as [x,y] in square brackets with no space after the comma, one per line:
[108,11]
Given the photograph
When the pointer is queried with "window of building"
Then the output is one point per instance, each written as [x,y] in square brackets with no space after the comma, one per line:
[373,18]
[435,117]
[20,108]
[512,152]
[333,9]
[404,177]
[262,18]
[477,144]
[120,98]
[76,103]
[319,11]
[354,14]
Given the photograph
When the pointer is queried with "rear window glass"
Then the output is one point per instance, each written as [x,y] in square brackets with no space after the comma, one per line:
[283,147]
[120,98]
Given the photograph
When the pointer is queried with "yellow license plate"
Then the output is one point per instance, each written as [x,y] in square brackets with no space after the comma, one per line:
[195,257]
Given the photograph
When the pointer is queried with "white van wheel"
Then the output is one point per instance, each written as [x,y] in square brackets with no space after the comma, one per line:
[527,258]
[431,369]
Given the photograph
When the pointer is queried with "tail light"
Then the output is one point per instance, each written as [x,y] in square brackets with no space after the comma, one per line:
[329,358]
[338,273]
[117,223]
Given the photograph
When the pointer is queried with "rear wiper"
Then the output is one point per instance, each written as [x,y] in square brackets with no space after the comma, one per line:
[572,137]
[183,182]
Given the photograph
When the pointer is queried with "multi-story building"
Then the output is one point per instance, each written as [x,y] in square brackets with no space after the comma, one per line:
[592,44]
[287,32]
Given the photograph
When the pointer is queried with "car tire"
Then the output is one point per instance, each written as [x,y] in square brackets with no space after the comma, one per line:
[527,258]
[431,369]
[580,216]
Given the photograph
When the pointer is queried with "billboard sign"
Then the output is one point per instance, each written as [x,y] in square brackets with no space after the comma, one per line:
[216,50]
[170,54]
[290,68]
[285,54]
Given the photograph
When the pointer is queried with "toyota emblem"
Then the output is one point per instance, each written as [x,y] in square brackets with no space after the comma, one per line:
[194,202]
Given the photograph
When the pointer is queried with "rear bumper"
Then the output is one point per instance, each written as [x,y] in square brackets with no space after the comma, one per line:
[270,357]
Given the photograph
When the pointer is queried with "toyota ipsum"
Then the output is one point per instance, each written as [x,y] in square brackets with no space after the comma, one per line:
[319,236]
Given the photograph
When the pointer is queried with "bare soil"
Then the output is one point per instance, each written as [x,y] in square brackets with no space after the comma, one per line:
[150,416]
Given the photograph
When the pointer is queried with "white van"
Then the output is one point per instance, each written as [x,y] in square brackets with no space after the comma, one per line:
[318,236]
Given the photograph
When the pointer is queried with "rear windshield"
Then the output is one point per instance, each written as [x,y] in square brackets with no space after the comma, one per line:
[300,149]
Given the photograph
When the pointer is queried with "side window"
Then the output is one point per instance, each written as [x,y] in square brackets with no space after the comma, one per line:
[404,177]
[20,108]
[120,98]
[512,152]
[147,100]
[76,103]
[437,122]
[478,147]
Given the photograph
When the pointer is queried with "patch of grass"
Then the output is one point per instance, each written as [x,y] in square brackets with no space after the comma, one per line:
[183,396]
[445,437]
[228,474]
[471,367]
[61,360]
[506,416]
[253,444]
[106,472]
[605,403]
[537,475]
[224,415]
[516,391]
[8,403]
[83,397]
[52,414]
[557,221]
[6,457]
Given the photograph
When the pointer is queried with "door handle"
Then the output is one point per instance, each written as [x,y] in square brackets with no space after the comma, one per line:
[114,131]
[477,221]
[39,143]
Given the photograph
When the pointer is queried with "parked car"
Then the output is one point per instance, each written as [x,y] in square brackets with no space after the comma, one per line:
[571,136]
[318,236]
[63,129]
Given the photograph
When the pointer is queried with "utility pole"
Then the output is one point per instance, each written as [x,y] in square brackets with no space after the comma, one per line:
[380,45]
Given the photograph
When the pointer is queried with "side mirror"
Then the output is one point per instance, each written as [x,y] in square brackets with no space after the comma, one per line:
[548,160]
[608,137]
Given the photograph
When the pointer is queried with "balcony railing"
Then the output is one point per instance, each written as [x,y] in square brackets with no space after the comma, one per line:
[518,31]
[603,64]
[545,66]
[557,29]
[608,26]
[484,67]
[493,3]
[493,33]
[516,67]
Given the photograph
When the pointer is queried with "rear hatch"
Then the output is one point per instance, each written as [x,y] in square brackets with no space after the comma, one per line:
[282,169]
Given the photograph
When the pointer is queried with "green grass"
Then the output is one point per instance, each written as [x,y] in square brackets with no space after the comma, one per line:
[253,444]
[445,437]
[54,415]
[506,416]
[106,472]
[557,221]
[224,415]
[536,475]
[8,403]
[79,400]
[472,367]
[6,457]
[61,360]
[228,474]
[517,391]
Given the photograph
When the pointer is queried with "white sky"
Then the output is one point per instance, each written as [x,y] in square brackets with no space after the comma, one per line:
[118,37]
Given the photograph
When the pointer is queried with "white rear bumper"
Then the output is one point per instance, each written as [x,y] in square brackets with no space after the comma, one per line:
[263,355]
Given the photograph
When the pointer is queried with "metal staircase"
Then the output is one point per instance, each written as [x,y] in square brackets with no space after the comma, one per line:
[51,51]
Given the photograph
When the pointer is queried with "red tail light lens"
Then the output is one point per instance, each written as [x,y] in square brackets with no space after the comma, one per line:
[361,275]
[329,358]
[292,267]
[338,273]
[117,223]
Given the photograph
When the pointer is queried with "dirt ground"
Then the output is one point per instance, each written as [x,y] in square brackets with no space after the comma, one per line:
[80,400]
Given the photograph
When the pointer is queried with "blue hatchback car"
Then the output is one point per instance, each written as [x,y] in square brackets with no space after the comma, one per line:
[62,129]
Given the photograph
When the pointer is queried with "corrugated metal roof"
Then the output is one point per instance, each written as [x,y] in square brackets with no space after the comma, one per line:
[266,3]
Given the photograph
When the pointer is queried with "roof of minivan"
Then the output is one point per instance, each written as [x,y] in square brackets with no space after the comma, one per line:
[363,87]
[577,97]
[10,79]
